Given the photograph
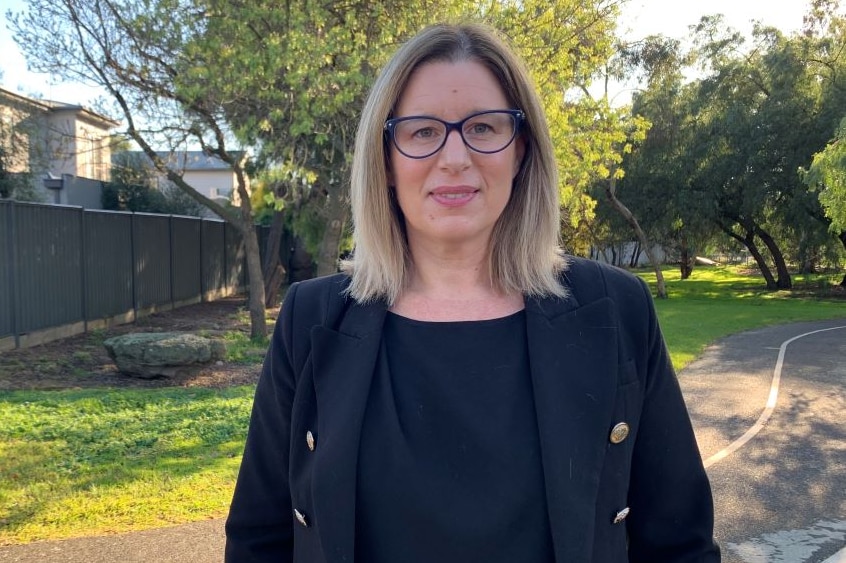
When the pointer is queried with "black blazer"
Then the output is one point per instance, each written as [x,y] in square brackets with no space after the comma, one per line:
[597,359]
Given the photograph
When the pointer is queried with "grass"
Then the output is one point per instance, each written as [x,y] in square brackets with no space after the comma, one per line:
[717,302]
[92,462]
[88,462]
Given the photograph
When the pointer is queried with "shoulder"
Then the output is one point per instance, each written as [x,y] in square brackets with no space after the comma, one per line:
[590,280]
[313,302]
[318,290]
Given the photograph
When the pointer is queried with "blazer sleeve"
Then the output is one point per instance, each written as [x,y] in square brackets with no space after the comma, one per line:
[672,512]
[259,526]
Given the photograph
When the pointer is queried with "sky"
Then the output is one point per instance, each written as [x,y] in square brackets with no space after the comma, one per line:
[640,18]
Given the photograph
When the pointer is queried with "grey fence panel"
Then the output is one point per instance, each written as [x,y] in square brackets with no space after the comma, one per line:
[49,277]
[7,270]
[187,266]
[108,264]
[151,236]
[61,266]
[236,270]
[213,257]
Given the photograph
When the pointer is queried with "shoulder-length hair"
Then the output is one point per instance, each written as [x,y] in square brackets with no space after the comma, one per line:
[525,253]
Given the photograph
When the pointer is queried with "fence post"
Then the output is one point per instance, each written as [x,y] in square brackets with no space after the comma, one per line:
[202,260]
[172,258]
[82,267]
[13,272]
[134,282]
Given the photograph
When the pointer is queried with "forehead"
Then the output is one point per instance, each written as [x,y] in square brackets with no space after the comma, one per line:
[450,90]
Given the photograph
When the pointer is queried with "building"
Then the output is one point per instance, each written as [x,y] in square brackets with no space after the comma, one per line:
[56,146]
[207,174]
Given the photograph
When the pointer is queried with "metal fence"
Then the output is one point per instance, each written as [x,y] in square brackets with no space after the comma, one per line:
[66,270]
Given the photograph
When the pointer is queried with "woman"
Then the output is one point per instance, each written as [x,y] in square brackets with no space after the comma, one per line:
[462,392]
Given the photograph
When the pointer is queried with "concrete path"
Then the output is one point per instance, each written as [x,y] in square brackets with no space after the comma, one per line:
[780,496]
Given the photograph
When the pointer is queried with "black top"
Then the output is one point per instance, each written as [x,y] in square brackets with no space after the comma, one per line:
[437,479]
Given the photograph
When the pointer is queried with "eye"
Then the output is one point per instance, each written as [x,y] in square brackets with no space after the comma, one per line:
[424,133]
[479,127]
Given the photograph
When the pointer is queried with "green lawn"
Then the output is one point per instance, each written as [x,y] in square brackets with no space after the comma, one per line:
[716,302]
[91,462]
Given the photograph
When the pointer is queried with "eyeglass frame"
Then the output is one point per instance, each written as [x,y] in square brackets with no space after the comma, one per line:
[390,130]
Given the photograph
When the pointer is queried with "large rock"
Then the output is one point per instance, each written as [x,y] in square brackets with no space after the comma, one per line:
[163,354]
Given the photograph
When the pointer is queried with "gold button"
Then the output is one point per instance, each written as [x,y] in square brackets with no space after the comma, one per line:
[621,515]
[301,518]
[619,432]
[310,441]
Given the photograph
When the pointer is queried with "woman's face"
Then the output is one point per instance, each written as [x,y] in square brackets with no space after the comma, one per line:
[456,195]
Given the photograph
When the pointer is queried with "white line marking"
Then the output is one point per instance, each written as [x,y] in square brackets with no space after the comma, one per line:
[770,406]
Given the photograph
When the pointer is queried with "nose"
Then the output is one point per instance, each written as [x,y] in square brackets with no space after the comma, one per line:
[455,154]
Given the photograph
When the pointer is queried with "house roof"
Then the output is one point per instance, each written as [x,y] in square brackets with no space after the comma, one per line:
[50,106]
[189,160]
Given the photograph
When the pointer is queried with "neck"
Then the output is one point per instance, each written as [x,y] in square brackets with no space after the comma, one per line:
[451,284]
[439,269]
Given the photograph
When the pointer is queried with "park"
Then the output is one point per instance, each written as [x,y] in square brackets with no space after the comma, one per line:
[720,183]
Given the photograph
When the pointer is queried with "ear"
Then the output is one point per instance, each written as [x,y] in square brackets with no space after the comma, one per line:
[519,153]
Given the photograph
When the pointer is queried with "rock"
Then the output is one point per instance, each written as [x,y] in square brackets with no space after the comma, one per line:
[163,354]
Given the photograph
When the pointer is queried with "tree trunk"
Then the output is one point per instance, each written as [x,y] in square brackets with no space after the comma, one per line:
[749,242]
[635,257]
[842,236]
[241,219]
[687,257]
[258,324]
[273,271]
[686,263]
[784,280]
[610,192]
[336,216]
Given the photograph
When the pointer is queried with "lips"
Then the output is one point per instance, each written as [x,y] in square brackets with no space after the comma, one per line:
[453,196]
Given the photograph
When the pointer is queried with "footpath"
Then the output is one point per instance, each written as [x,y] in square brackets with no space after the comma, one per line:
[726,389]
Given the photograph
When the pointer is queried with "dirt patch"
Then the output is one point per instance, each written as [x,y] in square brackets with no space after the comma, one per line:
[81,361]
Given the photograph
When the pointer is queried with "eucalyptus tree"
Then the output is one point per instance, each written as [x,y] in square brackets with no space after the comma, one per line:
[761,115]
[827,173]
[824,36]
[658,170]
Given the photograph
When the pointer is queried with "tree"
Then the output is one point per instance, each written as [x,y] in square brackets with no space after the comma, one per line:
[16,156]
[137,52]
[657,169]
[759,115]
[827,174]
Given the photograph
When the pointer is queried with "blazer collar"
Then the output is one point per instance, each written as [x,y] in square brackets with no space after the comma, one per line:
[573,364]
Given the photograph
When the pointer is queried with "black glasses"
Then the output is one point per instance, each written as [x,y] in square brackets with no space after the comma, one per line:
[487,132]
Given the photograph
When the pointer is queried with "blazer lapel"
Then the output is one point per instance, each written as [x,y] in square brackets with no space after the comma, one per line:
[573,357]
[344,361]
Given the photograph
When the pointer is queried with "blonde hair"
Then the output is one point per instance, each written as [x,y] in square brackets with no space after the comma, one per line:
[525,254]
